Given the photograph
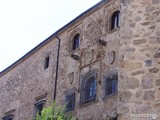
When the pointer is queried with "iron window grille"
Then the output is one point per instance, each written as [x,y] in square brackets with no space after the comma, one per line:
[76,42]
[9,117]
[88,90]
[70,102]
[39,107]
[111,82]
[115,20]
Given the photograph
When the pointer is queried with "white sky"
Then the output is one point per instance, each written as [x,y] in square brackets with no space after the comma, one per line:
[26,23]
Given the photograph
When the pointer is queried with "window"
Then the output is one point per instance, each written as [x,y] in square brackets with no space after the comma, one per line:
[115,20]
[70,101]
[111,83]
[39,107]
[88,88]
[9,117]
[76,42]
[46,64]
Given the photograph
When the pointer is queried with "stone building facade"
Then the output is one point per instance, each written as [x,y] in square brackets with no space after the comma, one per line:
[107,66]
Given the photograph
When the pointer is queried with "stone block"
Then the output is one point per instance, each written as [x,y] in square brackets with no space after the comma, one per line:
[149,95]
[147,83]
[139,41]
[131,65]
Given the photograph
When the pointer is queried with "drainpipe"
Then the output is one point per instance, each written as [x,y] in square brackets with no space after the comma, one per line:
[57,66]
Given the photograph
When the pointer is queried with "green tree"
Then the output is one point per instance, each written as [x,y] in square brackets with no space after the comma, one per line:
[54,112]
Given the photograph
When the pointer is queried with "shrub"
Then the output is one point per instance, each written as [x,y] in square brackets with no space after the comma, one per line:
[54,112]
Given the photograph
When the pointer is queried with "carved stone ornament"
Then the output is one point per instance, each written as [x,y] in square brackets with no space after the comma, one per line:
[71,77]
[89,56]
[111,57]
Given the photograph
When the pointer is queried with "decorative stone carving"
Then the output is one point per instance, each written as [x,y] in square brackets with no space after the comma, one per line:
[89,55]
[111,57]
[71,77]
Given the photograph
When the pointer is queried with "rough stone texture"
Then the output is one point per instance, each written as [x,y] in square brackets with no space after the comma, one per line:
[158,82]
[154,70]
[140,31]
[147,83]
[149,95]
[140,41]
[136,47]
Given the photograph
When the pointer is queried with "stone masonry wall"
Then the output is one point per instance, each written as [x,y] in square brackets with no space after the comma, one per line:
[133,50]
[25,84]
[139,60]
[93,56]
[29,82]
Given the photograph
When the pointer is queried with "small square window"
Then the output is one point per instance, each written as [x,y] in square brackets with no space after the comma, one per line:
[111,81]
[39,107]
[46,64]
[70,101]
[8,117]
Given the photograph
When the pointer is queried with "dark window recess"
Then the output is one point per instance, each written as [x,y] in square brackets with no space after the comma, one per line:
[39,107]
[46,64]
[88,91]
[115,20]
[9,117]
[70,102]
[111,84]
[76,42]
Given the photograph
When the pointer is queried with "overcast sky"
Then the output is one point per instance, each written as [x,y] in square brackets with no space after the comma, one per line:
[26,23]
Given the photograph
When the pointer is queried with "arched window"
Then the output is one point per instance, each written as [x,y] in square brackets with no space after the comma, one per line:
[88,89]
[115,20]
[76,42]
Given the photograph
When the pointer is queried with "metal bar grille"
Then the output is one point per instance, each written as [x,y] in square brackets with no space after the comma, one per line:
[88,92]
[111,84]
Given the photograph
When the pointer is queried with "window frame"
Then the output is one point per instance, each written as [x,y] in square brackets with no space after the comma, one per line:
[90,76]
[36,107]
[115,20]
[75,42]
[8,117]
[110,87]
[70,96]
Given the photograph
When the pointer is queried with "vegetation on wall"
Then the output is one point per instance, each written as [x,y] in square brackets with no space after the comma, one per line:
[54,112]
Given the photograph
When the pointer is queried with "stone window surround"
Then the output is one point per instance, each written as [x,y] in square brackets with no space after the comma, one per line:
[72,35]
[108,18]
[9,114]
[42,102]
[115,14]
[108,74]
[8,117]
[83,78]
[38,100]
[75,42]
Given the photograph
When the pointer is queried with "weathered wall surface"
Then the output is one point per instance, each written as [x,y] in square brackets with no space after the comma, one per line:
[20,87]
[139,69]
[136,49]
[92,56]
[25,84]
